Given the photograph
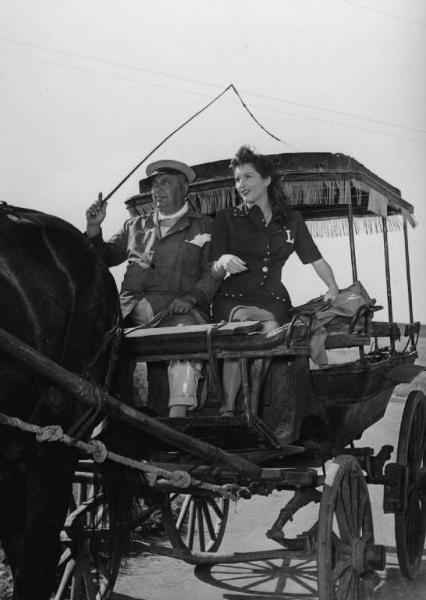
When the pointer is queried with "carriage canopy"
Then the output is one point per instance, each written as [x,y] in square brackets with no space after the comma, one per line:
[321,185]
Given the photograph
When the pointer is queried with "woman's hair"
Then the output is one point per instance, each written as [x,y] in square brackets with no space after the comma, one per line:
[263,165]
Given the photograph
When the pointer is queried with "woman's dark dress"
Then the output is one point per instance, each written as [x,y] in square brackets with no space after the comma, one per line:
[265,249]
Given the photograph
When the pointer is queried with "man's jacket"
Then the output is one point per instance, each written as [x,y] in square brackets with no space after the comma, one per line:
[162,269]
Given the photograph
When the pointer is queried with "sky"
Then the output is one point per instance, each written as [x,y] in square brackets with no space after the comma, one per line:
[90,87]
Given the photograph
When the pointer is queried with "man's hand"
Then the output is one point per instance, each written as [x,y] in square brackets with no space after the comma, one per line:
[182,305]
[96,213]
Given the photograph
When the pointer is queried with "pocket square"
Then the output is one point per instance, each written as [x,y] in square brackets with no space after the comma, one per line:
[200,239]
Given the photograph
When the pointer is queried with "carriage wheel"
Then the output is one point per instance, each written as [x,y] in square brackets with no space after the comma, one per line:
[410,524]
[85,535]
[346,555]
[199,522]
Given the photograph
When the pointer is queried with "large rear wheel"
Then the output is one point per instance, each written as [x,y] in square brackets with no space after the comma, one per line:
[410,524]
[346,556]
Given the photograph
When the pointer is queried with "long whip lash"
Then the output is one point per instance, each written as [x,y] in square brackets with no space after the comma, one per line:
[145,158]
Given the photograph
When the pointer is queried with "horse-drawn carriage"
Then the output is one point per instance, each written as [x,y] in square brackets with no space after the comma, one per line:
[301,439]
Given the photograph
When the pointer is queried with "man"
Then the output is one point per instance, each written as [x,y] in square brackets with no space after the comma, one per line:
[168,266]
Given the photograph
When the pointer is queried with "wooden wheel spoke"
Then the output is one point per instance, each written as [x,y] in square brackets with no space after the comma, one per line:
[191,525]
[346,497]
[367,585]
[183,511]
[200,521]
[77,581]
[357,503]
[66,575]
[344,586]
[343,521]
[363,500]
[209,522]
[340,568]
[213,503]
[65,557]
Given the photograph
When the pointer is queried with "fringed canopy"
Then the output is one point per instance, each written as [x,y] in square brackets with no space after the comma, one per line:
[320,185]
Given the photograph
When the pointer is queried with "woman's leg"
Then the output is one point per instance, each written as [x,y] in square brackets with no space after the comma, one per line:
[258,369]
[231,385]
[232,378]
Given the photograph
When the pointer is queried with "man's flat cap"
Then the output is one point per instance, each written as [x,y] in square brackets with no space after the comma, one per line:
[170,166]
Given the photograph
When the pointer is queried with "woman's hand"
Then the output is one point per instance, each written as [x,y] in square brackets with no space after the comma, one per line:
[325,273]
[331,293]
[229,263]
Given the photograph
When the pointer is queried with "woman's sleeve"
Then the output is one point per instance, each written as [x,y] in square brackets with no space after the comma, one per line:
[220,236]
[304,245]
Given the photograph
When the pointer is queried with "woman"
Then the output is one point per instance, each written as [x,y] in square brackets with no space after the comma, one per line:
[250,245]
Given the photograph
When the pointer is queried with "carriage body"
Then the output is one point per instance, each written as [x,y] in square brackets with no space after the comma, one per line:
[327,409]
[335,193]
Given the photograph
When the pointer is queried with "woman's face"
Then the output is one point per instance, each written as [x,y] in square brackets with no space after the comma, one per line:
[251,186]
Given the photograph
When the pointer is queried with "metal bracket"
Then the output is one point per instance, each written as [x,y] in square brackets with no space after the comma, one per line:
[395,489]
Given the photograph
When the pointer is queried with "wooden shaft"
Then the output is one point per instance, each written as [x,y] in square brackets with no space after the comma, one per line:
[213,558]
[97,396]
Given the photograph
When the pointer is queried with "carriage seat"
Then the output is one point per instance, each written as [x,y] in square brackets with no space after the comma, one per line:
[223,340]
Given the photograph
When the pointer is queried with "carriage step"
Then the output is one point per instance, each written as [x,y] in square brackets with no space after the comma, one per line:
[229,433]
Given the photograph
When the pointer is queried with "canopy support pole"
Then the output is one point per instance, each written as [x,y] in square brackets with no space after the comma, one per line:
[408,274]
[352,243]
[388,281]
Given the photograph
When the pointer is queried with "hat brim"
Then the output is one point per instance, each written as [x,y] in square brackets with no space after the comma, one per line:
[171,166]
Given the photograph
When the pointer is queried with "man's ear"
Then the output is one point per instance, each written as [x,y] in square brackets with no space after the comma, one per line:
[185,187]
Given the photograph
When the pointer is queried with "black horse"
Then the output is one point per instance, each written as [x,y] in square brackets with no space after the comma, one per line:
[57,296]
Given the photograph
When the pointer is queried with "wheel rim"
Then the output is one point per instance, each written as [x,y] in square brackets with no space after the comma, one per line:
[346,550]
[410,525]
[199,523]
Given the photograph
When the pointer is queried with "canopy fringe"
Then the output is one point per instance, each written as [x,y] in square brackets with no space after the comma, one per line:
[210,201]
[299,193]
[363,225]
[318,192]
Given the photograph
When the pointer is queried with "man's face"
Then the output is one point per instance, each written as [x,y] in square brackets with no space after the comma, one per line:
[168,192]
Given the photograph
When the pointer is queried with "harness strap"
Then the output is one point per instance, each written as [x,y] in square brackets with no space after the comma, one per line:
[99,453]
[113,338]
